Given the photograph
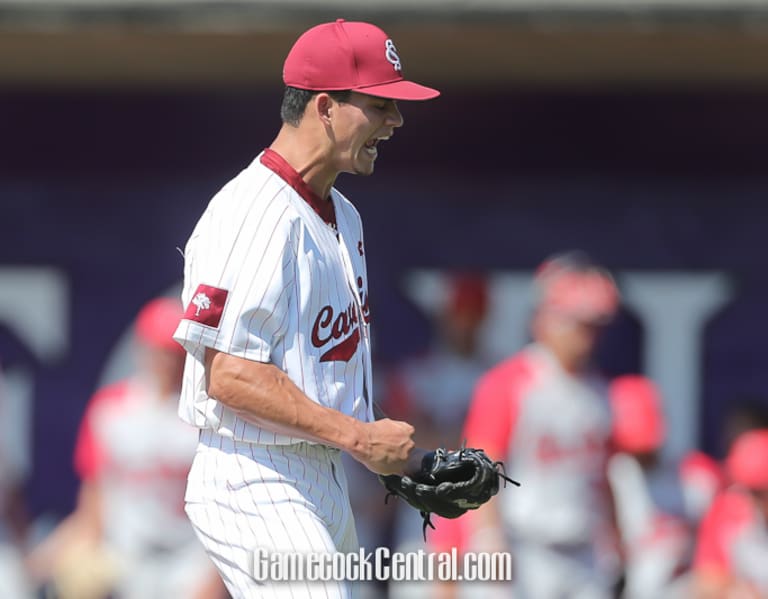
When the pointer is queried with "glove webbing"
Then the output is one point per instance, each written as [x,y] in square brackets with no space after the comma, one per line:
[439,454]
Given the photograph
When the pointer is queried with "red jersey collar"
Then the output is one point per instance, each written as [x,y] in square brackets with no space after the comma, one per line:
[324,208]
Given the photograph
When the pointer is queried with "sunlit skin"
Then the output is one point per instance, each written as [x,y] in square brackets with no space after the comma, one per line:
[359,125]
[337,137]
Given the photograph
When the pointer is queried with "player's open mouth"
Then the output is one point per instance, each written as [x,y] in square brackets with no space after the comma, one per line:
[371,144]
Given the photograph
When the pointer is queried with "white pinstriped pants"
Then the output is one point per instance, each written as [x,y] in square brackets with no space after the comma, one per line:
[285,498]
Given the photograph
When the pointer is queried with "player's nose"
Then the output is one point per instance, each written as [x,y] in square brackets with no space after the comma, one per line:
[394,118]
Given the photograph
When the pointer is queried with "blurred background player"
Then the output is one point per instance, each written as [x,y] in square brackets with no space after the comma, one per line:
[545,413]
[432,391]
[657,536]
[129,536]
[13,519]
[731,559]
[703,476]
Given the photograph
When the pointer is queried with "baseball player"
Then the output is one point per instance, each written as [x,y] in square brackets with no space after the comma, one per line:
[704,477]
[546,414]
[128,536]
[732,548]
[656,533]
[278,371]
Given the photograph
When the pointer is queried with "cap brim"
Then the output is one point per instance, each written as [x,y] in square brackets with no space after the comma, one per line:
[400,90]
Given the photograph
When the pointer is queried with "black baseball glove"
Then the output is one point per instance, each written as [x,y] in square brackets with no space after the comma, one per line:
[449,483]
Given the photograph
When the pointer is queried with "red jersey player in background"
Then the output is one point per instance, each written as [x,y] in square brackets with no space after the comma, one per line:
[656,530]
[702,475]
[545,413]
[129,537]
[731,559]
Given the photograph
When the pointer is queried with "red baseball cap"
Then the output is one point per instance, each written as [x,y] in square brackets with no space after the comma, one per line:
[157,321]
[747,461]
[468,295]
[585,292]
[350,56]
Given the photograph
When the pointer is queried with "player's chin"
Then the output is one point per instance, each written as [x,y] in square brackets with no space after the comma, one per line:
[365,162]
[364,169]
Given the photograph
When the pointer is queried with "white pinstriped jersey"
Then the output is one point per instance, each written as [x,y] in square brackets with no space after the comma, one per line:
[267,279]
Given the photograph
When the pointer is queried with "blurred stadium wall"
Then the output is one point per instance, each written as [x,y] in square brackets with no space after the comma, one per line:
[637,131]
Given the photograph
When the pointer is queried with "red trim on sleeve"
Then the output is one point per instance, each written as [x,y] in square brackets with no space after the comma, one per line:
[323,207]
[448,535]
[89,457]
[495,407]
[730,512]
[90,454]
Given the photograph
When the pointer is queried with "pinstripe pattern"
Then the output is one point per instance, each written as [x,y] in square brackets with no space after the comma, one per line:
[281,265]
[280,498]
[286,275]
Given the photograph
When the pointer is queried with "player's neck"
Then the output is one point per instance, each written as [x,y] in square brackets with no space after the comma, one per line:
[307,156]
[569,362]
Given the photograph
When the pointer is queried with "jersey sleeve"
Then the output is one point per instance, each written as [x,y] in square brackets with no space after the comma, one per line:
[729,513]
[90,454]
[448,534]
[494,410]
[238,281]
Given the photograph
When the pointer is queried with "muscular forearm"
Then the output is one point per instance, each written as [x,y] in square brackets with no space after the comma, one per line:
[266,396]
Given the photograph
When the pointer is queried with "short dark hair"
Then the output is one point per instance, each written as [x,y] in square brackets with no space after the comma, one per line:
[295,102]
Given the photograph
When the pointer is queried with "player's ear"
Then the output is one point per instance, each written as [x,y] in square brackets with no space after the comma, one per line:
[322,104]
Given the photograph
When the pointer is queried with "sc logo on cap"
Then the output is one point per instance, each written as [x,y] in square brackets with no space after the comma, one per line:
[392,55]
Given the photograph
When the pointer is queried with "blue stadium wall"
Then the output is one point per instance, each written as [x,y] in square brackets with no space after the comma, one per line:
[105,186]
